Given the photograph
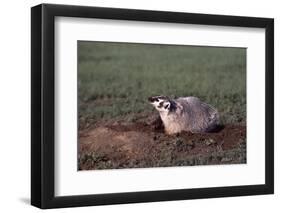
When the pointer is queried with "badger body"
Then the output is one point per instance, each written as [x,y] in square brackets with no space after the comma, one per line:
[185,114]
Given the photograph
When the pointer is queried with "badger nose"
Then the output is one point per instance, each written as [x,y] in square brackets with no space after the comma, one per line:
[151,99]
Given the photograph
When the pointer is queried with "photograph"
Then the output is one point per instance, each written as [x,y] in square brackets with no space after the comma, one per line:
[152,105]
[141,105]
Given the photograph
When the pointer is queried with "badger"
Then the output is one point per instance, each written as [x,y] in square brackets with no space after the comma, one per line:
[185,114]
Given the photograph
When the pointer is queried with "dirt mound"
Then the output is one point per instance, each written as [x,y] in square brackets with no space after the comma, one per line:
[144,145]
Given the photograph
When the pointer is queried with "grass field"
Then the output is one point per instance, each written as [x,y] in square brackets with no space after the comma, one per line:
[115,79]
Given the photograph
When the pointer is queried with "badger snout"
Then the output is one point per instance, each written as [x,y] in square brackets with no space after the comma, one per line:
[151,99]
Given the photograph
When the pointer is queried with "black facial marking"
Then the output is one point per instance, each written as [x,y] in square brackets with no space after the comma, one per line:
[173,106]
[157,98]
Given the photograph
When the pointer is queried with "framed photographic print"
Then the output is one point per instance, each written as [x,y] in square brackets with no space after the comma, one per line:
[139,106]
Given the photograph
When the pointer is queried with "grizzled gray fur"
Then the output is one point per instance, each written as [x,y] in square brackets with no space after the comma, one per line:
[185,114]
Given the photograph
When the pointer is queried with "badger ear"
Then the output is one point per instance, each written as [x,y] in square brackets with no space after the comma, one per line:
[167,105]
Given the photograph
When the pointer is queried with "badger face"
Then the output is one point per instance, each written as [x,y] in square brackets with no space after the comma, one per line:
[161,103]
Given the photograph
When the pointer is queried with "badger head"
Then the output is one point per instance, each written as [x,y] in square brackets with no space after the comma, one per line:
[162,103]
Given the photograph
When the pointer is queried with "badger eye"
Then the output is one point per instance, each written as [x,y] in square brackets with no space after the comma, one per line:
[157,99]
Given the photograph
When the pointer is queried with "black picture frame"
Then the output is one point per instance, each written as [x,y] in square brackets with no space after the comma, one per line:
[43,117]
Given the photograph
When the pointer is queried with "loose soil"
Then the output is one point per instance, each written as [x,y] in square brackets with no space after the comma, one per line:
[139,145]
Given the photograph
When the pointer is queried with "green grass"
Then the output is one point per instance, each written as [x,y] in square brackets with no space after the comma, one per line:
[115,79]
